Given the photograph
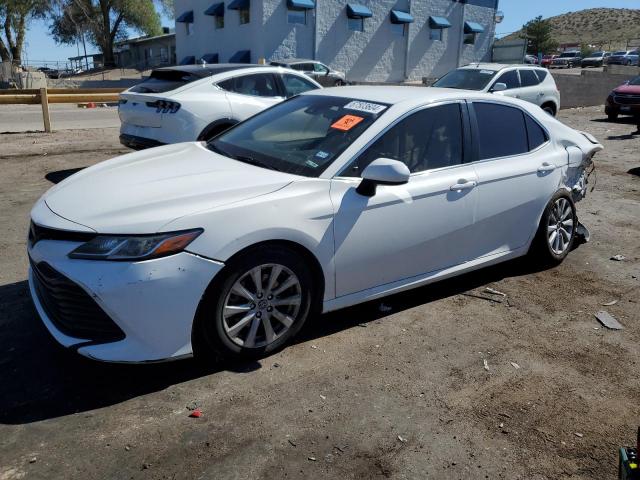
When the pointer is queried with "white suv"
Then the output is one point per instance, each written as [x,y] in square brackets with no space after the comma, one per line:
[530,83]
[197,102]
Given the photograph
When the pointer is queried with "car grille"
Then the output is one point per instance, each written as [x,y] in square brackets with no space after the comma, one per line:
[626,99]
[70,308]
[37,233]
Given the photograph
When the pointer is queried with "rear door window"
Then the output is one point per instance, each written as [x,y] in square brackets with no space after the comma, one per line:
[295,85]
[501,130]
[510,79]
[256,85]
[528,78]
[161,81]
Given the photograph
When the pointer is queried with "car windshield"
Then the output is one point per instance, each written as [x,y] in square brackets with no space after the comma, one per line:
[466,79]
[635,81]
[620,53]
[597,54]
[301,136]
[568,54]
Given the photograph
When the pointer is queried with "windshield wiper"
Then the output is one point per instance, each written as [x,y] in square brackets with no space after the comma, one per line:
[214,148]
[254,162]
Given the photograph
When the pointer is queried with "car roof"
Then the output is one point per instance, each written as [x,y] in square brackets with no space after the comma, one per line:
[496,67]
[295,60]
[210,69]
[394,95]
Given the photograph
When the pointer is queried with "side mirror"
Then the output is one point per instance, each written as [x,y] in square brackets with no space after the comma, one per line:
[383,171]
[499,87]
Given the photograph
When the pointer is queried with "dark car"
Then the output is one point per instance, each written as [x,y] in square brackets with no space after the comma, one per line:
[628,57]
[624,100]
[321,73]
[567,60]
[595,59]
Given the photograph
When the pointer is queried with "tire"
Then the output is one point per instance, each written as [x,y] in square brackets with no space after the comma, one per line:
[550,109]
[612,117]
[339,83]
[213,131]
[556,232]
[243,334]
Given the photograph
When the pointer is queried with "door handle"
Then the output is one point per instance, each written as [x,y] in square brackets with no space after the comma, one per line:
[546,167]
[463,185]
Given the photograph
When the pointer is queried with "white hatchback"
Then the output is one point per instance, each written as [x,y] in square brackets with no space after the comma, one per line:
[332,198]
[197,102]
[529,83]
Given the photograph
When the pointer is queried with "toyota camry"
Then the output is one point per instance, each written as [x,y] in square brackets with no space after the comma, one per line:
[331,198]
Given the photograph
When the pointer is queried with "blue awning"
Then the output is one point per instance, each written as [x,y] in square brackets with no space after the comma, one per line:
[473,27]
[186,17]
[238,4]
[439,22]
[355,10]
[398,16]
[210,58]
[190,60]
[301,4]
[241,56]
[215,10]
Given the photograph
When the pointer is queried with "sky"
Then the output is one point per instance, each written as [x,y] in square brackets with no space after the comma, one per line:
[40,47]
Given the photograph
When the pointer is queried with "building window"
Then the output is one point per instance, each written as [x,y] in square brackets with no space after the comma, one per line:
[295,15]
[190,28]
[219,21]
[356,24]
[398,28]
[470,38]
[244,15]
[436,34]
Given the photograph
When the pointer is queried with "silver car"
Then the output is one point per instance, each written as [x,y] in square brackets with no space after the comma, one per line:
[321,73]
[530,83]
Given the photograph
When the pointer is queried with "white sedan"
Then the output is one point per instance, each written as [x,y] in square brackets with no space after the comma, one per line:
[332,198]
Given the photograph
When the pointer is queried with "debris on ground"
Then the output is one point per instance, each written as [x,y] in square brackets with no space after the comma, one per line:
[494,291]
[486,364]
[606,319]
[402,439]
[608,304]
[312,459]
[383,307]
[293,444]
[482,297]
[618,258]
[579,435]
[197,413]
[33,460]
[314,347]
[193,406]
[515,365]
[127,447]
[323,397]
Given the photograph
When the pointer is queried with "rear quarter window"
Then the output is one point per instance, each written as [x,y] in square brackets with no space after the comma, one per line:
[164,81]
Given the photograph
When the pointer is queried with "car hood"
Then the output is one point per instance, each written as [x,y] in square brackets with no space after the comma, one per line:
[634,89]
[143,191]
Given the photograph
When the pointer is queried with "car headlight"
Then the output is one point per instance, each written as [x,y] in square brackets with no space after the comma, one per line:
[135,247]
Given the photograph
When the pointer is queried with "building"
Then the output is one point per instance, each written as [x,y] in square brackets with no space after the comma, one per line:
[143,53]
[372,40]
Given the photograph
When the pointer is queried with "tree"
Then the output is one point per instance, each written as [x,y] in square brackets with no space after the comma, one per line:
[103,21]
[168,8]
[539,35]
[14,17]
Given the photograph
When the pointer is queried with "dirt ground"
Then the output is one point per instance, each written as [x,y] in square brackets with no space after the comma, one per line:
[396,389]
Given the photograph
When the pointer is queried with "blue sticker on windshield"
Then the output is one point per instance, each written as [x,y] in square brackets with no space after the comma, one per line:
[322,154]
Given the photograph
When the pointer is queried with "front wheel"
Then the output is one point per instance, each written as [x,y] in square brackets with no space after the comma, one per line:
[556,232]
[259,304]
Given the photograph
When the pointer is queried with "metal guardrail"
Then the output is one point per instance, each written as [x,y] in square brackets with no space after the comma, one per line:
[45,96]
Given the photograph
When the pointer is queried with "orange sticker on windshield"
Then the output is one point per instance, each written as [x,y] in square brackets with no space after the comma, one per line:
[347,122]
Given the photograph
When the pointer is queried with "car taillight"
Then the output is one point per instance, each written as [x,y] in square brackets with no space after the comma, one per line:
[164,106]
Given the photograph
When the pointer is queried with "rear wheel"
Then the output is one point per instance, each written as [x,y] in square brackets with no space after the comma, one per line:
[549,108]
[260,303]
[556,232]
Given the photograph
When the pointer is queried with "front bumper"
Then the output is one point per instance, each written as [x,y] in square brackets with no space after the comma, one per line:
[622,105]
[152,302]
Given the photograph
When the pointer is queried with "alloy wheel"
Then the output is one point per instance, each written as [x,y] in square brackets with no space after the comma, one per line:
[262,305]
[560,226]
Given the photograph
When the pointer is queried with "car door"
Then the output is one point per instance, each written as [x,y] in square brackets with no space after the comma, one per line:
[530,86]
[512,80]
[252,93]
[518,171]
[407,230]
